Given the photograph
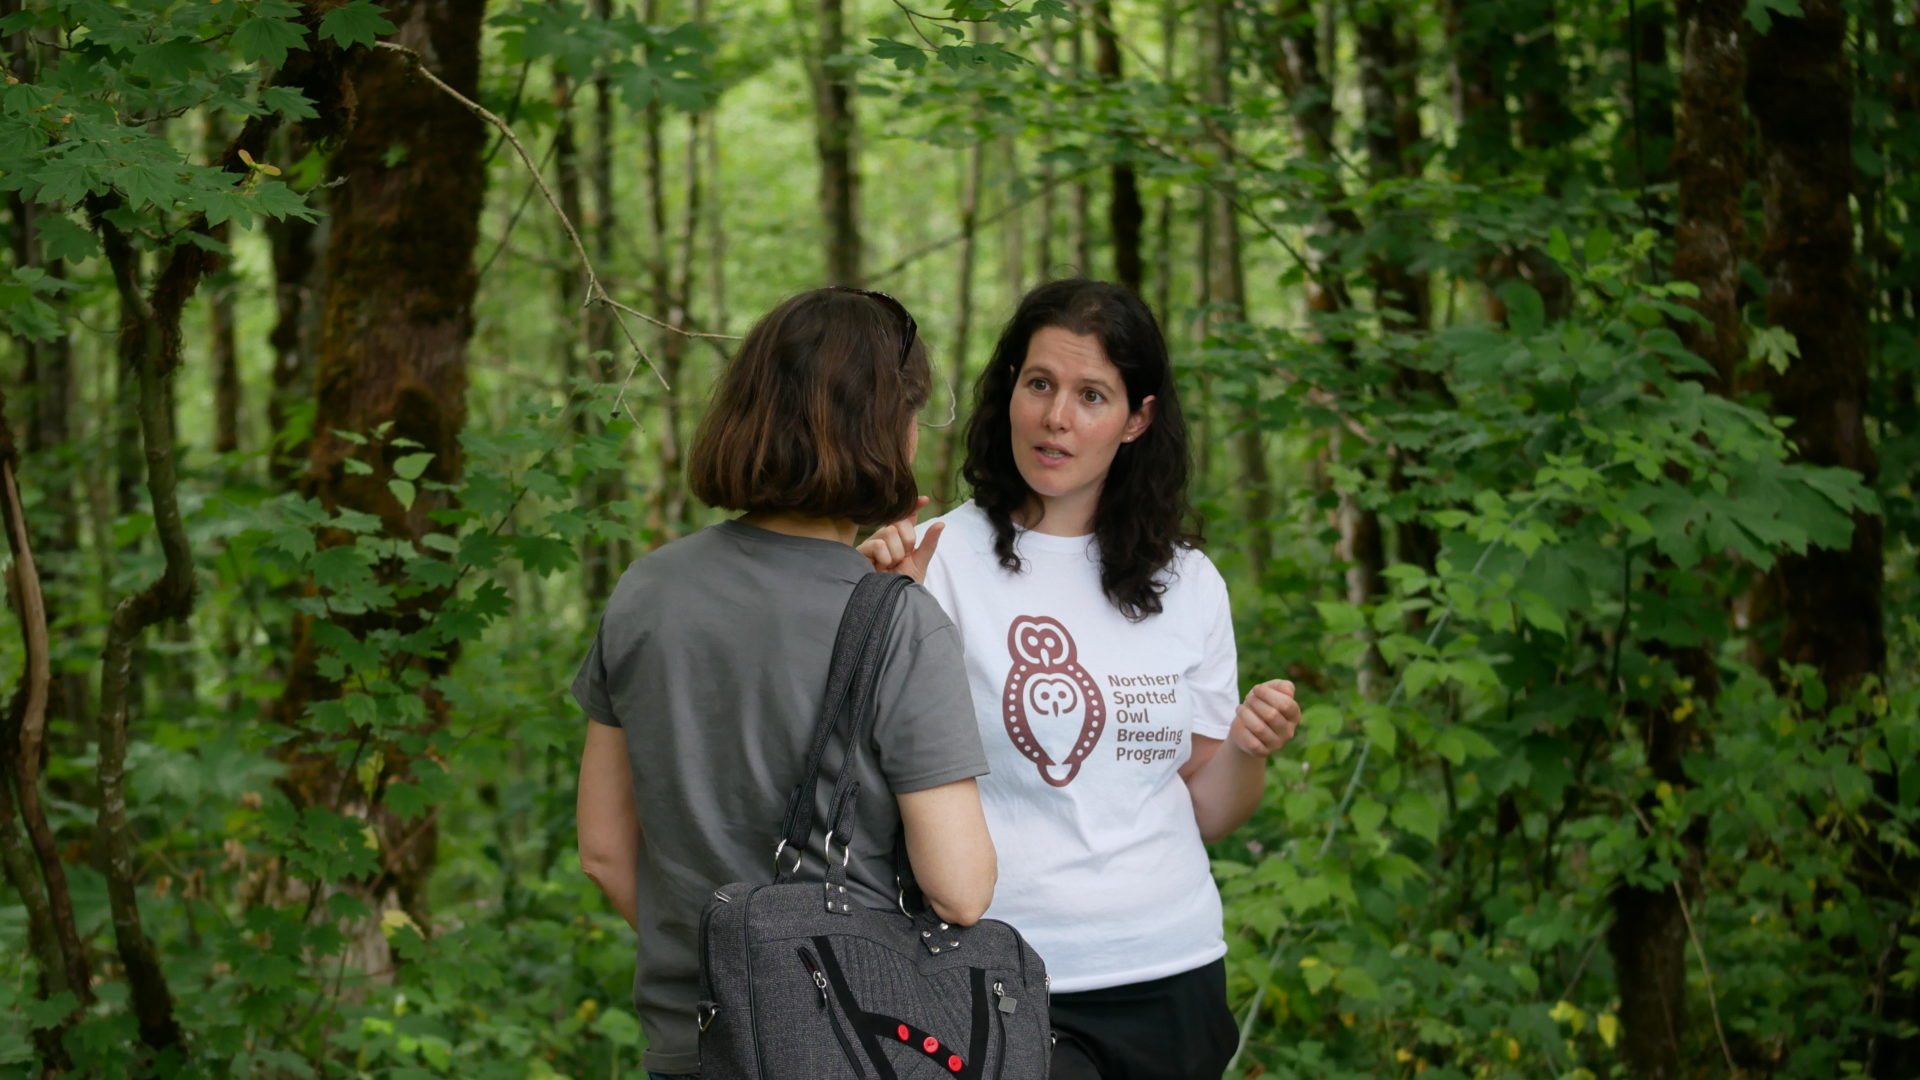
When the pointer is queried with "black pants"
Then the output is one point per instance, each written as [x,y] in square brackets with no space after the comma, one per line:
[1176,1028]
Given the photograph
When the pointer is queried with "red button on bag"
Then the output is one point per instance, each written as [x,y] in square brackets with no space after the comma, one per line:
[931,1045]
[953,1063]
[904,1036]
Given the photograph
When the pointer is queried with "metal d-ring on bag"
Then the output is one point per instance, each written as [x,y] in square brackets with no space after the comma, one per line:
[801,982]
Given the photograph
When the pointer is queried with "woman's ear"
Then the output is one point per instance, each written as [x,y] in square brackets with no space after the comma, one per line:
[1139,420]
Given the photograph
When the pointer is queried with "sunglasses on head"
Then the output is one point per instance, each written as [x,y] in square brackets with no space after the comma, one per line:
[906,317]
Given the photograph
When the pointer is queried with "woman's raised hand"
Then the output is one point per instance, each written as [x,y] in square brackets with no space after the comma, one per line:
[893,549]
[1267,720]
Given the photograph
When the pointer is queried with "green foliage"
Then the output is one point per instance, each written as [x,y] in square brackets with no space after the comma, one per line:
[647,63]
[1428,887]
[88,131]
[1588,496]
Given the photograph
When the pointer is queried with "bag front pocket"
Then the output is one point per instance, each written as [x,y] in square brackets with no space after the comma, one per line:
[896,1014]
[819,977]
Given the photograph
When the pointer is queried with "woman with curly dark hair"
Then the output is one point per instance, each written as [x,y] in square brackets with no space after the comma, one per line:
[1100,651]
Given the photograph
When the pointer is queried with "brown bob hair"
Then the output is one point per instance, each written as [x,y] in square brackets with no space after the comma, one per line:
[814,413]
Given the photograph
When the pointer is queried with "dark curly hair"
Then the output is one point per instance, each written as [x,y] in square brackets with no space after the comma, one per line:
[1143,517]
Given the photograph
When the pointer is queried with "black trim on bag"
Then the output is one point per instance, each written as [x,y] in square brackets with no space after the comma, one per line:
[820,981]
[977,1040]
[875,1029]
[856,1016]
[753,999]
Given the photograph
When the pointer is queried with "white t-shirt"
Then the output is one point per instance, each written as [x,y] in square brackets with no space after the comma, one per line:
[1086,719]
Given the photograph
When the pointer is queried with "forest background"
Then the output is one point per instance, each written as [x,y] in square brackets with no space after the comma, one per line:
[1553,367]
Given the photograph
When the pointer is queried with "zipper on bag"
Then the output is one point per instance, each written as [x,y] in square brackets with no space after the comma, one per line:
[819,977]
[1003,1007]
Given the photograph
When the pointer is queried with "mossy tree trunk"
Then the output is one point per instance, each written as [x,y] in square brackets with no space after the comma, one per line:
[397,313]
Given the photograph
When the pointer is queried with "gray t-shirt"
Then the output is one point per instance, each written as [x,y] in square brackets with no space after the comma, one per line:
[712,654]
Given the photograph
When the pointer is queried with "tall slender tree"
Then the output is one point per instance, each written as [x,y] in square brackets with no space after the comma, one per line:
[28,858]
[1389,95]
[1082,190]
[610,486]
[222,345]
[1297,53]
[1800,89]
[1228,292]
[669,501]
[296,245]
[1710,164]
[398,298]
[948,467]
[1479,91]
[1124,212]
[1648,936]
[835,135]
[49,379]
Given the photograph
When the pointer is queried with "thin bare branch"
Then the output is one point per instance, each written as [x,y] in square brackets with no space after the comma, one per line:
[923,251]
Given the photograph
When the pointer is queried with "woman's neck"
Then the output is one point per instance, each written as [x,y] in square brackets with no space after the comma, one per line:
[837,529]
[1070,515]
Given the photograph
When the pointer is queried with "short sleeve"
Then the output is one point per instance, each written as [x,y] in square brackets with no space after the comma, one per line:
[924,733]
[1214,680]
[590,687]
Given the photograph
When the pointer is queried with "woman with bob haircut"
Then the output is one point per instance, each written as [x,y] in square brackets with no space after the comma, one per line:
[1100,649]
[705,678]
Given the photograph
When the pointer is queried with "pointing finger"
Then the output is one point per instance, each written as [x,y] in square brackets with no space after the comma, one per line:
[923,554]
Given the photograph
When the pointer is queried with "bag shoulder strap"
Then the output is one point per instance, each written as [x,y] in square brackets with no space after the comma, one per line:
[858,646]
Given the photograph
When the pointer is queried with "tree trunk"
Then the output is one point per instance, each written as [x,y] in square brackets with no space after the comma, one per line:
[610,487]
[669,501]
[1082,191]
[839,171]
[397,299]
[1485,142]
[1652,96]
[226,357]
[1479,41]
[226,362]
[1390,106]
[1297,56]
[1545,120]
[1210,45]
[1830,601]
[716,234]
[1227,280]
[1044,256]
[1013,251]
[948,467]
[37,876]
[1648,936]
[672,484]
[296,248]
[49,379]
[1710,164]
[567,278]
[1298,73]
[1801,92]
[1648,942]
[149,353]
[1124,212]
[1163,215]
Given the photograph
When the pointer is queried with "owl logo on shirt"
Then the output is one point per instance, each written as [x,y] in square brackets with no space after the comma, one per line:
[1052,707]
